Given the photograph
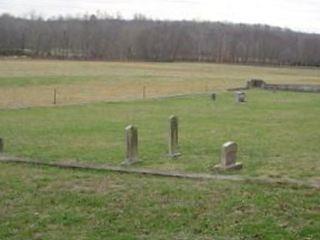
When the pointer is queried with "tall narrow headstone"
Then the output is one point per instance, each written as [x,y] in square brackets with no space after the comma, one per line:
[229,157]
[173,136]
[240,96]
[131,145]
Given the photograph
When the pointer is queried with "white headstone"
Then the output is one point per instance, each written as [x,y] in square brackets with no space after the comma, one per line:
[229,157]
[240,97]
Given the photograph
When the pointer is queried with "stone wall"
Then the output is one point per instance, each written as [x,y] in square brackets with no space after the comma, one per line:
[292,87]
[255,83]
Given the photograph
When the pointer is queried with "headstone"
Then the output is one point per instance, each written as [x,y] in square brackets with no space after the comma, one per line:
[173,137]
[1,145]
[229,157]
[131,145]
[240,96]
[213,96]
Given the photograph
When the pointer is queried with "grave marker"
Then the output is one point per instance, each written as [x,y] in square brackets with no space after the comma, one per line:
[131,145]
[229,157]
[213,96]
[240,97]
[173,136]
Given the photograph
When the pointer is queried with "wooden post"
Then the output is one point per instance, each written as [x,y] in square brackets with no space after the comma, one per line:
[144,92]
[54,96]
[173,137]
[1,145]
[206,88]
[131,145]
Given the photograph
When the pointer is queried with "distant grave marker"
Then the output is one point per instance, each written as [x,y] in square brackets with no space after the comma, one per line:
[240,97]
[229,157]
[173,136]
[213,96]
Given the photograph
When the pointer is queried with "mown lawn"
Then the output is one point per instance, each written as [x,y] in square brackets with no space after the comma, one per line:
[47,203]
[278,133]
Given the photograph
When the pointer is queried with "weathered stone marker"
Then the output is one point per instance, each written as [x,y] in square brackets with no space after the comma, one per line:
[229,157]
[173,137]
[213,96]
[131,145]
[1,145]
[240,96]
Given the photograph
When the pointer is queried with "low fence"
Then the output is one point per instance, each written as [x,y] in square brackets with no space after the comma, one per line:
[257,83]
[292,87]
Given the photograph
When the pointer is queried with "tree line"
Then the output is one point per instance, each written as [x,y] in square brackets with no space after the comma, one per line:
[140,39]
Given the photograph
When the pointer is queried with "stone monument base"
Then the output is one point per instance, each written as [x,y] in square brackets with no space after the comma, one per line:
[236,166]
[128,162]
[174,155]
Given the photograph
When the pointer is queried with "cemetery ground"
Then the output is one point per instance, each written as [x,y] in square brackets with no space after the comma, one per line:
[278,135]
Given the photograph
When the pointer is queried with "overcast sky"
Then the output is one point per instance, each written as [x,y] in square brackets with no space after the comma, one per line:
[301,15]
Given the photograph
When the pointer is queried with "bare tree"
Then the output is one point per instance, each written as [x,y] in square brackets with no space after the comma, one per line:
[101,36]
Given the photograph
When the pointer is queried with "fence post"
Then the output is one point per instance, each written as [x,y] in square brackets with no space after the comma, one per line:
[54,96]
[1,145]
[144,92]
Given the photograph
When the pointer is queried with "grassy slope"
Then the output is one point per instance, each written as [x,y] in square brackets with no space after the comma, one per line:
[278,133]
[55,204]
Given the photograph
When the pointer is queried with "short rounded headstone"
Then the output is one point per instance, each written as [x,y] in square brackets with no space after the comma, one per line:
[228,157]
[240,96]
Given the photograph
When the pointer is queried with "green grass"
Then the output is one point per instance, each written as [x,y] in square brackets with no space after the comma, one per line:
[277,133]
[46,203]
[278,136]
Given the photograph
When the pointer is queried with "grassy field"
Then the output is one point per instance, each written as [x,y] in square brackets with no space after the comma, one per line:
[54,204]
[31,83]
[278,135]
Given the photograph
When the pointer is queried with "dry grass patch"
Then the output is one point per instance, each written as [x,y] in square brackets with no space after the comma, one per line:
[31,83]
